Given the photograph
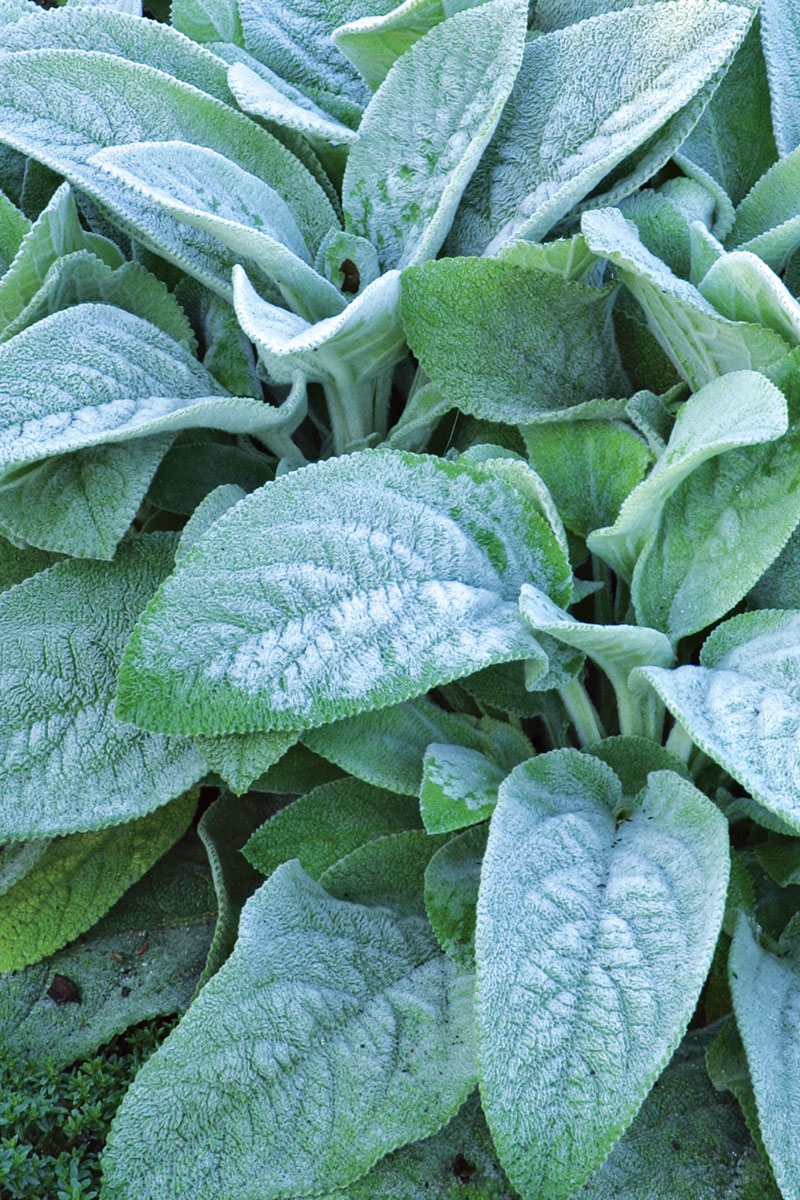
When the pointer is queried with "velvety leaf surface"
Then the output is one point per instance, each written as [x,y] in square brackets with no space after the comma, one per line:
[384,548]
[451,893]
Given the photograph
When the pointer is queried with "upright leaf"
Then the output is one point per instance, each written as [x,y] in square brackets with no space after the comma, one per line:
[585,99]
[611,927]
[780,34]
[280,1039]
[768,219]
[66,764]
[340,588]
[426,128]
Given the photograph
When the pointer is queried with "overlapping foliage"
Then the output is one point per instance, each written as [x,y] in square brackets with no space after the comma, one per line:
[400,590]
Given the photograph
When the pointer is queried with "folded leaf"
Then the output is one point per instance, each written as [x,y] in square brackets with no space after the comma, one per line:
[260,98]
[40,114]
[620,924]
[426,128]
[207,20]
[66,764]
[504,343]
[766,983]
[743,288]
[739,409]
[699,341]
[327,823]
[71,882]
[119,982]
[586,97]
[340,588]
[742,705]
[209,192]
[280,1039]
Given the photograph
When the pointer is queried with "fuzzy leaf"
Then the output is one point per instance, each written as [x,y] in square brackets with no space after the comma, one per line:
[66,764]
[451,893]
[780,34]
[426,128]
[315,989]
[383,549]
[72,881]
[586,97]
[595,938]
[768,219]
[459,787]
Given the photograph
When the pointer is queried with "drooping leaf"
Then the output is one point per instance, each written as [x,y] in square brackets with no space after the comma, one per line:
[425,130]
[741,705]
[586,98]
[142,960]
[386,747]
[327,823]
[391,619]
[700,342]
[620,923]
[66,764]
[61,889]
[320,974]
[504,343]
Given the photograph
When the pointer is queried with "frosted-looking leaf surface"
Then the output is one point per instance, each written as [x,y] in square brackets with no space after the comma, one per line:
[14,225]
[504,343]
[62,106]
[209,192]
[780,36]
[593,940]
[741,706]
[342,587]
[739,409]
[343,1023]
[52,890]
[426,128]
[701,343]
[66,764]
[768,219]
[109,376]
[175,903]
[386,747]
[459,787]
[259,97]
[451,893]
[766,998]
[586,97]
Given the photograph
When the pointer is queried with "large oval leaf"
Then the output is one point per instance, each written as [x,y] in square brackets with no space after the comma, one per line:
[342,587]
[594,937]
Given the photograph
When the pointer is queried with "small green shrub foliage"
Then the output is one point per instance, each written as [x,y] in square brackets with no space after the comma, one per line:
[400,599]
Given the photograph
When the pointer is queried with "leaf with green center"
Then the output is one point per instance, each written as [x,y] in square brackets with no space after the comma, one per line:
[82,503]
[586,98]
[686,1142]
[616,649]
[741,706]
[199,461]
[386,747]
[209,510]
[426,128]
[66,764]
[209,192]
[327,823]
[207,20]
[740,409]
[632,759]
[698,340]
[768,219]
[504,343]
[733,140]
[339,588]
[780,858]
[51,108]
[48,898]
[242,758]
[18,562]
[727,1068]
[451,893]
[459,787]
[610,928]
[224,830]
[172,908]
[316,989]
[152,43]
[298,772]
[763,982]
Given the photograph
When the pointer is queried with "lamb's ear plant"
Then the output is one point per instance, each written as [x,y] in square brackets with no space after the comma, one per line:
[400,591]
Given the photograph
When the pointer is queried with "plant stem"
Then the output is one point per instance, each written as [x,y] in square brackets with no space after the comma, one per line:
[583,713]
[679,743]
